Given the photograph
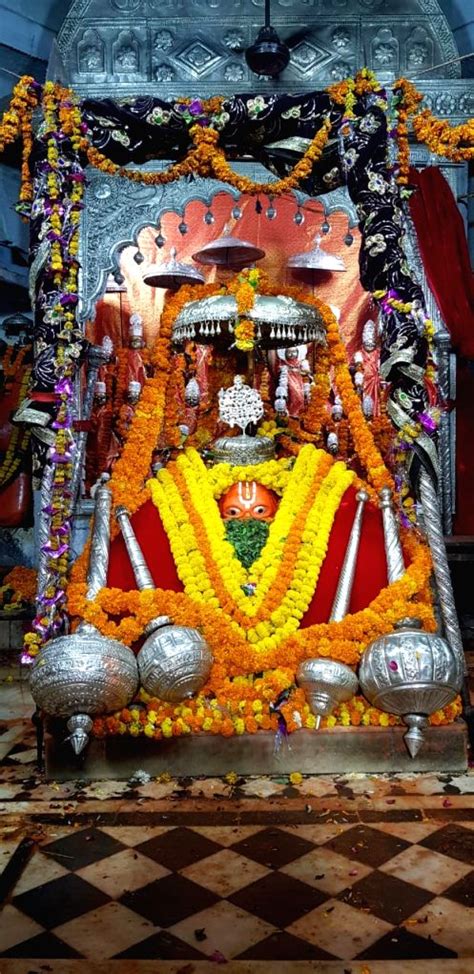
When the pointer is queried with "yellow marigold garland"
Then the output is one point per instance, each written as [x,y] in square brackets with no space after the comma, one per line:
[244,706]
[207,564]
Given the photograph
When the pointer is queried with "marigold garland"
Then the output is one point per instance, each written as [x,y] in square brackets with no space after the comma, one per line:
[234,655]
[284,577]
[245,706]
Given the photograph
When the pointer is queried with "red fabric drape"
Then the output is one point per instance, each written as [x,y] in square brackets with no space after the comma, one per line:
[444,251]
[370,577]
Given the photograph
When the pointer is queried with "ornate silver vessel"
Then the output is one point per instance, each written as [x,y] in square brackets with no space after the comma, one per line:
[280,321]
[242,449]
[326,684]
[84,673]
[174,662]
[410,673]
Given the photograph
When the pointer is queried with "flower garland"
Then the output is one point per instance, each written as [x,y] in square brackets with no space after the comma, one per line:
[61,205]
[16,122]
[18,589]
[236,655]
[20,435]
[284,577]
[405,101]
[246,706]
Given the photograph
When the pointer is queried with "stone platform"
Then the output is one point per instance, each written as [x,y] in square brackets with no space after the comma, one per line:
[333,751]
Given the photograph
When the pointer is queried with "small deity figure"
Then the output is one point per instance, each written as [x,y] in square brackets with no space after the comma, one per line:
[136,368]
[291,370]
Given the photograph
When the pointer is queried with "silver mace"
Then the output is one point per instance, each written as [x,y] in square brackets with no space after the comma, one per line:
[97,356]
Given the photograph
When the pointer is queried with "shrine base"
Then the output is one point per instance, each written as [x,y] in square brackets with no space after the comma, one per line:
[340,750]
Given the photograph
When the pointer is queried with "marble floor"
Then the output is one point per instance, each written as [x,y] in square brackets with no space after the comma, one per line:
[355,875]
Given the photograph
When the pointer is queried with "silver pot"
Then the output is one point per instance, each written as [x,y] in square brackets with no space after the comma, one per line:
[326,684]
[83,674]
[174,662]
[410,673]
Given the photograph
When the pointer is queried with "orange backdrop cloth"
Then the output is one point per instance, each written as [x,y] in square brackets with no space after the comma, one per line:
[280,238]
[370,576]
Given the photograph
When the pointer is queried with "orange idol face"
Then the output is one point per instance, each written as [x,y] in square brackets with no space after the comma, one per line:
[248,500]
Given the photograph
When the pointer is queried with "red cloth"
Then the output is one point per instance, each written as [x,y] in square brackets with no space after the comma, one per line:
[370,577]
[444,251]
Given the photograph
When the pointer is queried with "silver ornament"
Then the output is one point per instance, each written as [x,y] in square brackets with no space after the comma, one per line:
[83,674]
[326,683]
[174,662]
[332,443]
[410,673]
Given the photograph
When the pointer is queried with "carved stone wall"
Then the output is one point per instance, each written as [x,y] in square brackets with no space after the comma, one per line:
[176,47]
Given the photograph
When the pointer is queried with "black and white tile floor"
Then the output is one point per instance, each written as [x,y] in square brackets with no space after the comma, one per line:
[349,875]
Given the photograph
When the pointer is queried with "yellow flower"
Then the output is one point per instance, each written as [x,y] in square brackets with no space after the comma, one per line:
[296,778]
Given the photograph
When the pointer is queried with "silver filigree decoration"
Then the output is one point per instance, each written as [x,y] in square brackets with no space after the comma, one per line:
[240,405]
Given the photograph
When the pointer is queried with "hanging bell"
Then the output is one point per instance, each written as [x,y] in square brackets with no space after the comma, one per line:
[172,274]
[317,259]
[229,251]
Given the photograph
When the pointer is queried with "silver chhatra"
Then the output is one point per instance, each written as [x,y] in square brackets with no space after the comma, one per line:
[172,274]
[326,683]
[84,673]
[317,259]
[410,673]
[280,321]
[174,662]
[229,251]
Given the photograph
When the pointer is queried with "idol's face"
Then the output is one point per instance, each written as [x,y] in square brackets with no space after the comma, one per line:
[246,500]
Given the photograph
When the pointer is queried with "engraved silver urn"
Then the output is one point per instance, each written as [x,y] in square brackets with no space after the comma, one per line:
[84,673]
[81,675]
[174,662]
[326,683]
[410,673]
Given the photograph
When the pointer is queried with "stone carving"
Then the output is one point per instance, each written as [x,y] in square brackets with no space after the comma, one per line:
[385,49]
[340,70]
[341,38]
[199,58]
[234,39]
[126,58]
[163,41]
[234,72]
[308,57]
[233,23]
[445,104]
[419,49]
[91,53]
[164,72]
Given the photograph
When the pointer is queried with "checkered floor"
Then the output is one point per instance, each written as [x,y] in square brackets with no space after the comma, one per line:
[305,892]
